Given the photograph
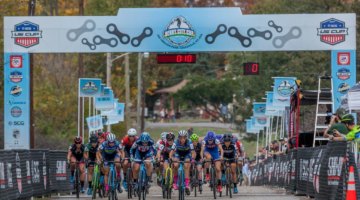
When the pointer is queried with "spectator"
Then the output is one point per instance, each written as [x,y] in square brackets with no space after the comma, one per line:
[172,115]
[245,172]
[162,115]
[283,145]
[190,132]
[353,130]
[335,124]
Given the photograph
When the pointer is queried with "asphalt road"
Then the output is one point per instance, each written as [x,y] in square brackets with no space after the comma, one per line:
[245,193]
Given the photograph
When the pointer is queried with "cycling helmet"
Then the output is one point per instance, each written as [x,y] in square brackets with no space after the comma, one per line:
[194,137]
[144,137]
[132,132]
[234,137]
[111,137]
[219,137]
[227,137]
[163,135]
[78,140]
[170,136]
[182,133]
[93,138]
[210,135]
[348,119]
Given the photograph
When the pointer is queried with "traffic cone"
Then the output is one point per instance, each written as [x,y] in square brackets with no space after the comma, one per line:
[351,191]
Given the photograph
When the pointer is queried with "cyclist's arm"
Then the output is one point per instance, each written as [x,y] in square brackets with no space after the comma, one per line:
[221,150]
[159,151]
[69,154]
[98,154]
[202,151]
[193,153]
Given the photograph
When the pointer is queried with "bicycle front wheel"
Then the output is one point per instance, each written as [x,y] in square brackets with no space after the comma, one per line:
[129,182]
[213,181]
[77,182]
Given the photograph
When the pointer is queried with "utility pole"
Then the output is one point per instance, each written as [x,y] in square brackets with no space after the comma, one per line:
[139,87]
[127,92]
[31,12]
[108,77]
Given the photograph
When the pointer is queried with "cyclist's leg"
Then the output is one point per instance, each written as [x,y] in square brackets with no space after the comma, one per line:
[199,169]
[82,174]
[233,166]
[72,166]
[175,167]
[187,173]
[215,155]
[118,166]
[90,174]
[207,164]
[136,166]
[149,165]
[165,166]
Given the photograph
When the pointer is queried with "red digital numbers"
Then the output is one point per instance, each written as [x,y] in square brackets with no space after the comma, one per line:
[176,58]
[251,68]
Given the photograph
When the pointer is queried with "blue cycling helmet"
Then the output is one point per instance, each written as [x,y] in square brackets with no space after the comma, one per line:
[219,137]
[144,137]
[210,135]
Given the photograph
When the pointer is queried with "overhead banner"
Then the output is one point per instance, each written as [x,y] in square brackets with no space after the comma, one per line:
[283,88]
[16,101]
[89,87]
[343,72]
[180,29]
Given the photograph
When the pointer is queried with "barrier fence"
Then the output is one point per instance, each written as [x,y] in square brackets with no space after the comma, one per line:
[27,173]
[321,172]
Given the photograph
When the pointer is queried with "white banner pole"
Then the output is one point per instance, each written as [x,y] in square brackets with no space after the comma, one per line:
[83,117]
[78,116]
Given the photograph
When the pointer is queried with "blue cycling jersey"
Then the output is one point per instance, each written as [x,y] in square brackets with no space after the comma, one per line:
[110,150]
[139,146]
[184,149]
[213,145]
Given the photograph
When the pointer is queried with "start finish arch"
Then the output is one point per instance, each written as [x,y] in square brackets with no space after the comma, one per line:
[164,30]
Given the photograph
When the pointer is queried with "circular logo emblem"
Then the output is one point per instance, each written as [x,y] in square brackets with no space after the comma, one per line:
[16,133]
[16,76]
[16,91]
[284,89]
[16,111]
[343,88]
[261,120]
[343,74]
[178,33]
[89,88]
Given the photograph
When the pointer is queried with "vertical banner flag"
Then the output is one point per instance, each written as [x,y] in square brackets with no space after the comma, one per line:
[94,122]
[343,72]
[89,87]
[283,88]
[259,110]
[105,101]
[271,110]
[16,101]
[254,124]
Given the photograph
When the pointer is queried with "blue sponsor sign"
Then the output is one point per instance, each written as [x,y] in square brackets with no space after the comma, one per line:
[283,88]
[16,101]
[259,108]
[94,123]
[89,87]
[106,101]
[343,72]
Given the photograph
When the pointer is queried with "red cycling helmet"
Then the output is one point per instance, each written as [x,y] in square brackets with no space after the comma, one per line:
[78,140]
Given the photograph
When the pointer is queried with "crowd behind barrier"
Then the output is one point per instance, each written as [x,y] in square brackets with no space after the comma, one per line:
[320,172]
[28,173]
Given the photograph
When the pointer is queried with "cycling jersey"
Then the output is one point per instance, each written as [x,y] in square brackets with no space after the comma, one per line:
[77,153]
[197,149]
[229,152]
[127,144]
[183,151]
[109,153]
[92,151]
[165,148]
[142,152]
[212,148]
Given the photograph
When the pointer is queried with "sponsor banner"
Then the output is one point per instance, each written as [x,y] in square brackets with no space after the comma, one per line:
[320,172]
[185,29]
[105,101]
[343,72]
[259,108]
[283,88]
[94,122]
[115,115]
[89,87]
[17,101]
[271,110]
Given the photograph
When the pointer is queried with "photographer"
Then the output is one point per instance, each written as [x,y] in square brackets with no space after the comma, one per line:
[336,124]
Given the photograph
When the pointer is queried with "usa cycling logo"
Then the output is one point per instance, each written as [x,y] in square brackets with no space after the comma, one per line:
[179,34]
[16,76]
[332,31]
[343,74]
[26,34]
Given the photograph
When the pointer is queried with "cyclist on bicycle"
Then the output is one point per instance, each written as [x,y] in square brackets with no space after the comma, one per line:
[240,152]
[211,148]
[142,149]
[90,156]
[76,154]
[198,158]
[230,152]
[164,150]
[109,151]
[160,142]
[184,151]
[127,143]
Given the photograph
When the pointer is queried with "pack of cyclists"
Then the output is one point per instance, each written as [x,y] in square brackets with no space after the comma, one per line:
[171,149]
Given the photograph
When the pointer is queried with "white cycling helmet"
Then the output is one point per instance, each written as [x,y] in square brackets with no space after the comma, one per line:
[163,135]
[182,133]
[111,138]
[132,132]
